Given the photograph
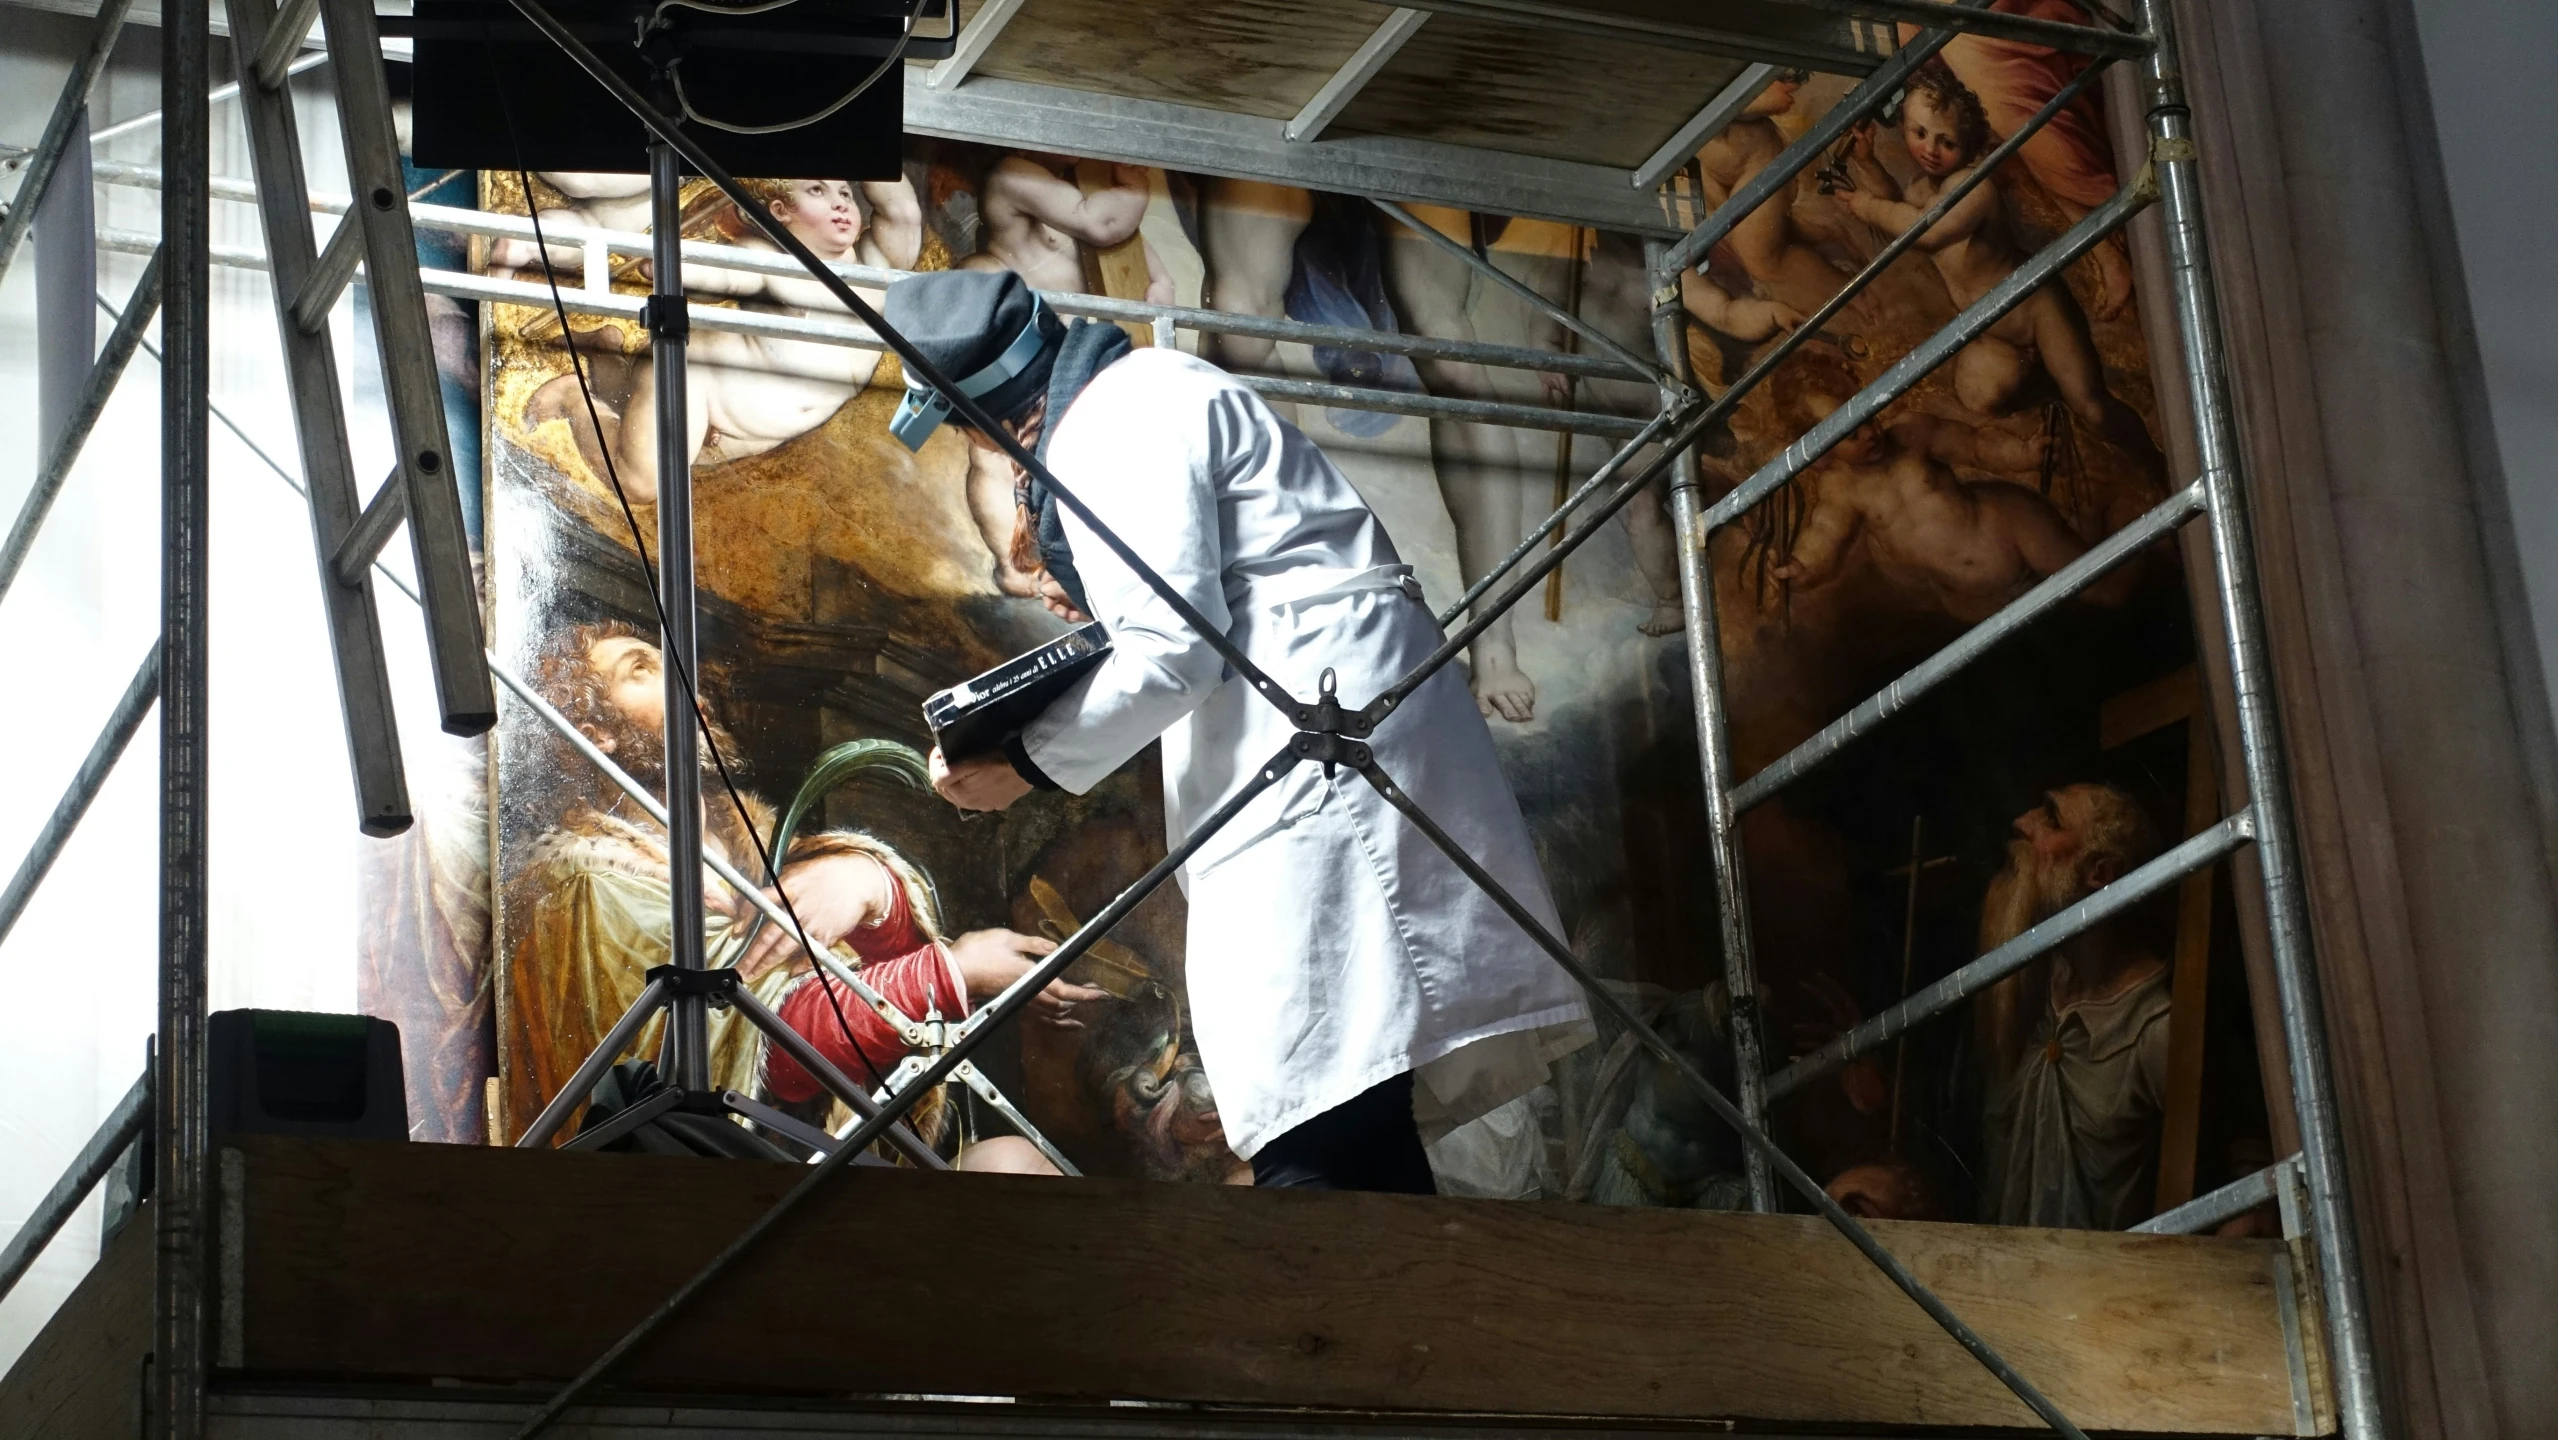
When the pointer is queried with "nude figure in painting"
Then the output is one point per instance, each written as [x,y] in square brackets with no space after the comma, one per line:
[1779,265]
[1616,296]
[746,394]
[1967,547]
[1037,224]
[1974,248]
[597,201]
[1486,475]
[2071,157]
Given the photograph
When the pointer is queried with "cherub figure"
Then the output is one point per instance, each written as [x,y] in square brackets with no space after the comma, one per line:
[746,394]
[1969,547]
[1974,248]
[1780,266]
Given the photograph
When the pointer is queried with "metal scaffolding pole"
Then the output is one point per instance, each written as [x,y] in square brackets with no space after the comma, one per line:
[1713,739]
[104,373]
[60,130]
[2260,733]
[107,1144]
[180,1180]
[86,782]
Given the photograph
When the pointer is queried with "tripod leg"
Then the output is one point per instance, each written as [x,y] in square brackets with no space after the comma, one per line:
[624,1121]
[1003,1105]
[607,1050]
[796,1045]
[780,1124]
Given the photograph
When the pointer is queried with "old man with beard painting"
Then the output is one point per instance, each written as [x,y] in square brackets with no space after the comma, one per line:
[590,914]
[2076,1048]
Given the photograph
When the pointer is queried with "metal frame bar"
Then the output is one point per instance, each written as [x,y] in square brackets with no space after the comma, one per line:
[1644,30]
[1484,267]
[140,693]
[228,90]
[438,548]
[181,1209]
[2227,1203]
[2112,43]
[2350,1357]
[1714,752]
[1720,111]
[983,28]
[104,374]
[704,255]
[321,429]
[1220,142]
[115,1135]
[2046,596]
[1335,96]
[60,129]
[283,42]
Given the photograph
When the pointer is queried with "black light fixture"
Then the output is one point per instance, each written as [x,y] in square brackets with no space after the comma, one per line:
[803,88]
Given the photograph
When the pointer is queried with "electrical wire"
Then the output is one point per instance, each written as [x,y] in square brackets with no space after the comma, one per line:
[675,72]
[648,572]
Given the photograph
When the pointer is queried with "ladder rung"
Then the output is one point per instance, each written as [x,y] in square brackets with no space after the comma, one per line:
[329,278]
[284,41]
[372,530]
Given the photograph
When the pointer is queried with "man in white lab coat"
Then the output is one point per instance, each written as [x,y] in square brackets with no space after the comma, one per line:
[1355,995]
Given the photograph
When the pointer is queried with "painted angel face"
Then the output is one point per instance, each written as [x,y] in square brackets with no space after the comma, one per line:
[823,213]
[1934,138]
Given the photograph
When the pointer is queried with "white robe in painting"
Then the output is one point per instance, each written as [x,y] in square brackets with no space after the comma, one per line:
[1331,946]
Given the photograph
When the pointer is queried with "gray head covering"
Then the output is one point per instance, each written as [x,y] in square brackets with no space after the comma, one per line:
[982,328]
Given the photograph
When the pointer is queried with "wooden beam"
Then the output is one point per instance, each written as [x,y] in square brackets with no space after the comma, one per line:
[983,26]
[1354,75]
[83,1374]
[364,1262]
[2176,698]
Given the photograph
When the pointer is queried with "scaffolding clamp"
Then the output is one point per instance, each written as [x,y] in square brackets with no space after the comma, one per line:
[666,318]
[1327,733]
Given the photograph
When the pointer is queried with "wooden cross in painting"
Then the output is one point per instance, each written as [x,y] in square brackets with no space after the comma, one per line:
[1919,864]
[2174,699]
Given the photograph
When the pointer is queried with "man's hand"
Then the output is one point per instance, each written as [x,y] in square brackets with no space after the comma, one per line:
[987,782]
[989,961]
[1053,595]
[833,895]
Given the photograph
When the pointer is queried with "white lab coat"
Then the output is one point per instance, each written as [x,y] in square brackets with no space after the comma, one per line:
[1331,945]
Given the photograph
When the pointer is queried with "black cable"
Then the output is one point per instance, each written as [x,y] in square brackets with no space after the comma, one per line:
[675,73]
[648,572]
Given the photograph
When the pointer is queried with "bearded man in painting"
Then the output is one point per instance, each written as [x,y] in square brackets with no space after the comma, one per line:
[590,909]
[2076,1047]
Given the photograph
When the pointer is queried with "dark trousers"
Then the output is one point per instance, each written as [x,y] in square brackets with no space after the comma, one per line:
[1368,1142]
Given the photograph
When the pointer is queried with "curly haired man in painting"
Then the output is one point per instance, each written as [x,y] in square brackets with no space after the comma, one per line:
[1975,246]
[589,909]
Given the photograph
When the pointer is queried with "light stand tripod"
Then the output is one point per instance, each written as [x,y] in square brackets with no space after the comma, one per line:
[687,988]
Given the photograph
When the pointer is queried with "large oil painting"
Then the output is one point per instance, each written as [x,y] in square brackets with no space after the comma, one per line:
[843,579]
